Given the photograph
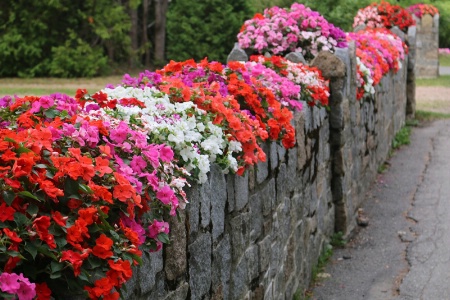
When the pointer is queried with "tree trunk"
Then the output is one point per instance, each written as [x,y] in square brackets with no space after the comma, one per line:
[133,36]
[145,44]
[160,30]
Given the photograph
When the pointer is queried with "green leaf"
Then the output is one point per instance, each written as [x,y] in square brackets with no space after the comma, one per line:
[32,249]
[51,113]
[32,209]
[85,189]
[10,140]
[71,188]
[56,266]
[55,275]
[8,197]
[20,219]
[60,241]
[44,250]
[29,195]
[22,149]
[163,237]
[41,166]
[114,235]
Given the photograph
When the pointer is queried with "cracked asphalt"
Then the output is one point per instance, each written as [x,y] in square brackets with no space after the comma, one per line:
[404,252]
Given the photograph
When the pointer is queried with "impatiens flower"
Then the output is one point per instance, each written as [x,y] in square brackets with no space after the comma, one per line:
[102,248]
[157,227]
[9,283]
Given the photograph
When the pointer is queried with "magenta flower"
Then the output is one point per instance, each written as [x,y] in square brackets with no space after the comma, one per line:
[9,283]
[165,194]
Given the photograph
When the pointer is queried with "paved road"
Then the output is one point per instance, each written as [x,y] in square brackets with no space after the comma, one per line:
[444,70]
[404,253]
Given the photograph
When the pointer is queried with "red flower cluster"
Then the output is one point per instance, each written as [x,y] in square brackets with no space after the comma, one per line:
[394,15]
[71,217]
[314,88]
[421,9]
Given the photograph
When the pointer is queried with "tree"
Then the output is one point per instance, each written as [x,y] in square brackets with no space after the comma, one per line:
[208,28]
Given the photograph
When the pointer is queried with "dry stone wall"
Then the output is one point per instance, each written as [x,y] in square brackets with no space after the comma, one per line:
[260,235]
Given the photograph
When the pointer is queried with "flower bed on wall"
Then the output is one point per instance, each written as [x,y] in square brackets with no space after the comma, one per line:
[421,9]
[378,51]
[298,29]
[88,183]
[384,15]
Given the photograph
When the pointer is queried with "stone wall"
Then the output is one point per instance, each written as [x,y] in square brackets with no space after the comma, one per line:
[427,64]
[361,133]
[259,236]
[251,237]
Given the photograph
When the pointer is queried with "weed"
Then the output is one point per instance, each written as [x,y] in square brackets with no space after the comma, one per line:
[337,240]
[402,137]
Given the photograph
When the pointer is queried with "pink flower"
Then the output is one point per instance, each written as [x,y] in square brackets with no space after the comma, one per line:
[166,154]
[156,228]
[119,135]
[9,283]
[165,194]
[138,164]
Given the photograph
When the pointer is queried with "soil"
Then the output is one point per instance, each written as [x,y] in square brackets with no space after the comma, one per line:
[433,98]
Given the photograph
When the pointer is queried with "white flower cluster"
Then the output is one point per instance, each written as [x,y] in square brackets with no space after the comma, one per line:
[186,128]
[369,89]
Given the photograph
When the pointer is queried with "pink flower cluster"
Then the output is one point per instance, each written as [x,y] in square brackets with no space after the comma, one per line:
[444,51]
[368,16]
[299,29]
[379,51]
[420,9]
[14,284]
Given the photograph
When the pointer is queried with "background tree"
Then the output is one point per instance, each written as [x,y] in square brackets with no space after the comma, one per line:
[207,28]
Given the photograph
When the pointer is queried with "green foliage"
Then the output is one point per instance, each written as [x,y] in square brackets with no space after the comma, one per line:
[337,239]
[443,80]
[35,36]
[402,137]
[204,29]
[76,59]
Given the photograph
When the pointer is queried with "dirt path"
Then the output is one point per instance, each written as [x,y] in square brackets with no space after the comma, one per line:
[435,98]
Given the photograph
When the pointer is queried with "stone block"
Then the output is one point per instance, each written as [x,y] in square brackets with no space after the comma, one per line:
[175,259]
[237,54]
[200,266]
[273,155]
[268,196]
[179,294]
[241,191]
[221,269]
[262,168]
[151,265]
[239,235]
[239,280]
[205,203]
[330,65]
[292,177]
[218,201]
[264,253]
[193,208]
[251,256]
[281,184]
[296,57]
[256,221]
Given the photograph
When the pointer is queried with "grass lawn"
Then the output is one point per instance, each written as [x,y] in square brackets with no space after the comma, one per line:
[444,60]
[440,81]
[46,86]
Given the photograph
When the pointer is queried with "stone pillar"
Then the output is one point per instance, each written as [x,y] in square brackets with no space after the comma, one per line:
[411,75]
[427,65]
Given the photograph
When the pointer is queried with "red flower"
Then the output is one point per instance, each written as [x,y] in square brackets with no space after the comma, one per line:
[6,213]
[102,248]
[12,235]
[41,225]
[75,258]
[42,291]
